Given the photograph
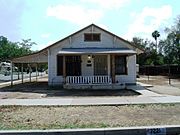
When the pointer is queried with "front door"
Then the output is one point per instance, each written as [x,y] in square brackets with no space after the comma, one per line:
[73,65]
[100,65]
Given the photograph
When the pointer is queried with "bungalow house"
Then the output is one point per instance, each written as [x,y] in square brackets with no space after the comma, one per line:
[89,58]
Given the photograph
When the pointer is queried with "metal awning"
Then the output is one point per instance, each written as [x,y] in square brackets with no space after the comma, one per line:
[38,57]
[97,51]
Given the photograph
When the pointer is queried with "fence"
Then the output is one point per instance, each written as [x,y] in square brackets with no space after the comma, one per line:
[160,70]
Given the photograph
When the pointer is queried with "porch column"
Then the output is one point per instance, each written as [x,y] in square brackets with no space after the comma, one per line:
[109,64]
[113,67]
[11,73]
[22,73]
[29,73]
[64,68]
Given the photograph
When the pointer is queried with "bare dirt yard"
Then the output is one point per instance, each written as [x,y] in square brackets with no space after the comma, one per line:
[159,80]
[161,84]
[55,117]
[40,89]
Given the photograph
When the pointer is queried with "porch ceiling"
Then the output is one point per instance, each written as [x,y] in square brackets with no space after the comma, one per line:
[97,51]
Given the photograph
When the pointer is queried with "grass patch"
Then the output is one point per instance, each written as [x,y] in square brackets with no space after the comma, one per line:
[68,117]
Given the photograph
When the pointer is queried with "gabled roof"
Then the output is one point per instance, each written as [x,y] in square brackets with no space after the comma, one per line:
[44,51]
[133,45]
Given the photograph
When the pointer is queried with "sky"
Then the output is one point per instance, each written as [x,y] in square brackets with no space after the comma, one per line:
[47,21]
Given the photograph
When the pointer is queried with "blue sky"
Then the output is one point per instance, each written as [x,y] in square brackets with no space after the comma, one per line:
[47,21]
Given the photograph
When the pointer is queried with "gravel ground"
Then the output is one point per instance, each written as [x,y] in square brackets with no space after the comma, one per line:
[16,117]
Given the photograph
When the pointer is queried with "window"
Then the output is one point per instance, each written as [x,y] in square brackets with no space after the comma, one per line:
[120,65]
[59,65]
[73,65]
[92,37]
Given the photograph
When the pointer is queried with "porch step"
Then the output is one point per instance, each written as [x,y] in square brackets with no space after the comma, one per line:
[95,86]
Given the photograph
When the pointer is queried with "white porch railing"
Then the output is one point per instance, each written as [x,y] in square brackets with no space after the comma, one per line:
[88,80]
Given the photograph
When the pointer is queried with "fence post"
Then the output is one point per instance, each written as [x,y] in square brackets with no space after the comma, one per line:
[169,75]
[148,73]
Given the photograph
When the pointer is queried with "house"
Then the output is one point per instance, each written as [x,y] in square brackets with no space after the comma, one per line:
[90,58]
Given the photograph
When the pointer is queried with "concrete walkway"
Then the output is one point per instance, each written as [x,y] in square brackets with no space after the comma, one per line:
[91,101]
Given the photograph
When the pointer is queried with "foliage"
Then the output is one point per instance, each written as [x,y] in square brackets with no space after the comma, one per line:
[155,35]
[150,56]
[9,50]
[171,45]
[139,42]
[25,46]
[168,51]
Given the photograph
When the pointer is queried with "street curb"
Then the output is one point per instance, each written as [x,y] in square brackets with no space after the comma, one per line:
[145,130]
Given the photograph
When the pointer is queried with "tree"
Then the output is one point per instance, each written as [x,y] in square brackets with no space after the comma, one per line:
[25,46]
[10,49]
[150,56]
[155,35]
[139,42]
[7,49]
[171,45]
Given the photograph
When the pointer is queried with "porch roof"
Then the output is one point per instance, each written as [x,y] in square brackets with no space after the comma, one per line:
[97,51]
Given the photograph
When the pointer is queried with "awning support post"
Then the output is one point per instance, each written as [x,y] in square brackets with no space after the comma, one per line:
[36,72]
[11,73]
[22,74]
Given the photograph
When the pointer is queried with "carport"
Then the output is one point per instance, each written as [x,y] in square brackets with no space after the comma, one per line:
[40,57]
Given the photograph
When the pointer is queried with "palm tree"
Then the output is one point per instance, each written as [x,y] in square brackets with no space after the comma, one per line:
[155,35]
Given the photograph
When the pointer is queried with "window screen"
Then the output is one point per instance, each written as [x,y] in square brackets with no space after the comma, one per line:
[92,37]
[120,65]
[59,65]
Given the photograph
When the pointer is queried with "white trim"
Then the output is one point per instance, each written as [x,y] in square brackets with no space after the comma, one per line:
[96,51]
[103,79]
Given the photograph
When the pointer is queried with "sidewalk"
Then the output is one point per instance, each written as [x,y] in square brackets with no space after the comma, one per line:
[91,101]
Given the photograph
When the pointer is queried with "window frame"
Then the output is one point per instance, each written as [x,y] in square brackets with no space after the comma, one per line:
[125,65]
[92,37]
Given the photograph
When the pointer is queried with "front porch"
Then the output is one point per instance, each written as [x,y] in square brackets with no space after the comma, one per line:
[97,70]
[89,70]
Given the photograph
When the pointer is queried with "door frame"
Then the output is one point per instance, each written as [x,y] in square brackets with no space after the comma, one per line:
[105,65]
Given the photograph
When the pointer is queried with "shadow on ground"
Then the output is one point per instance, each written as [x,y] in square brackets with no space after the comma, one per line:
[43,88]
